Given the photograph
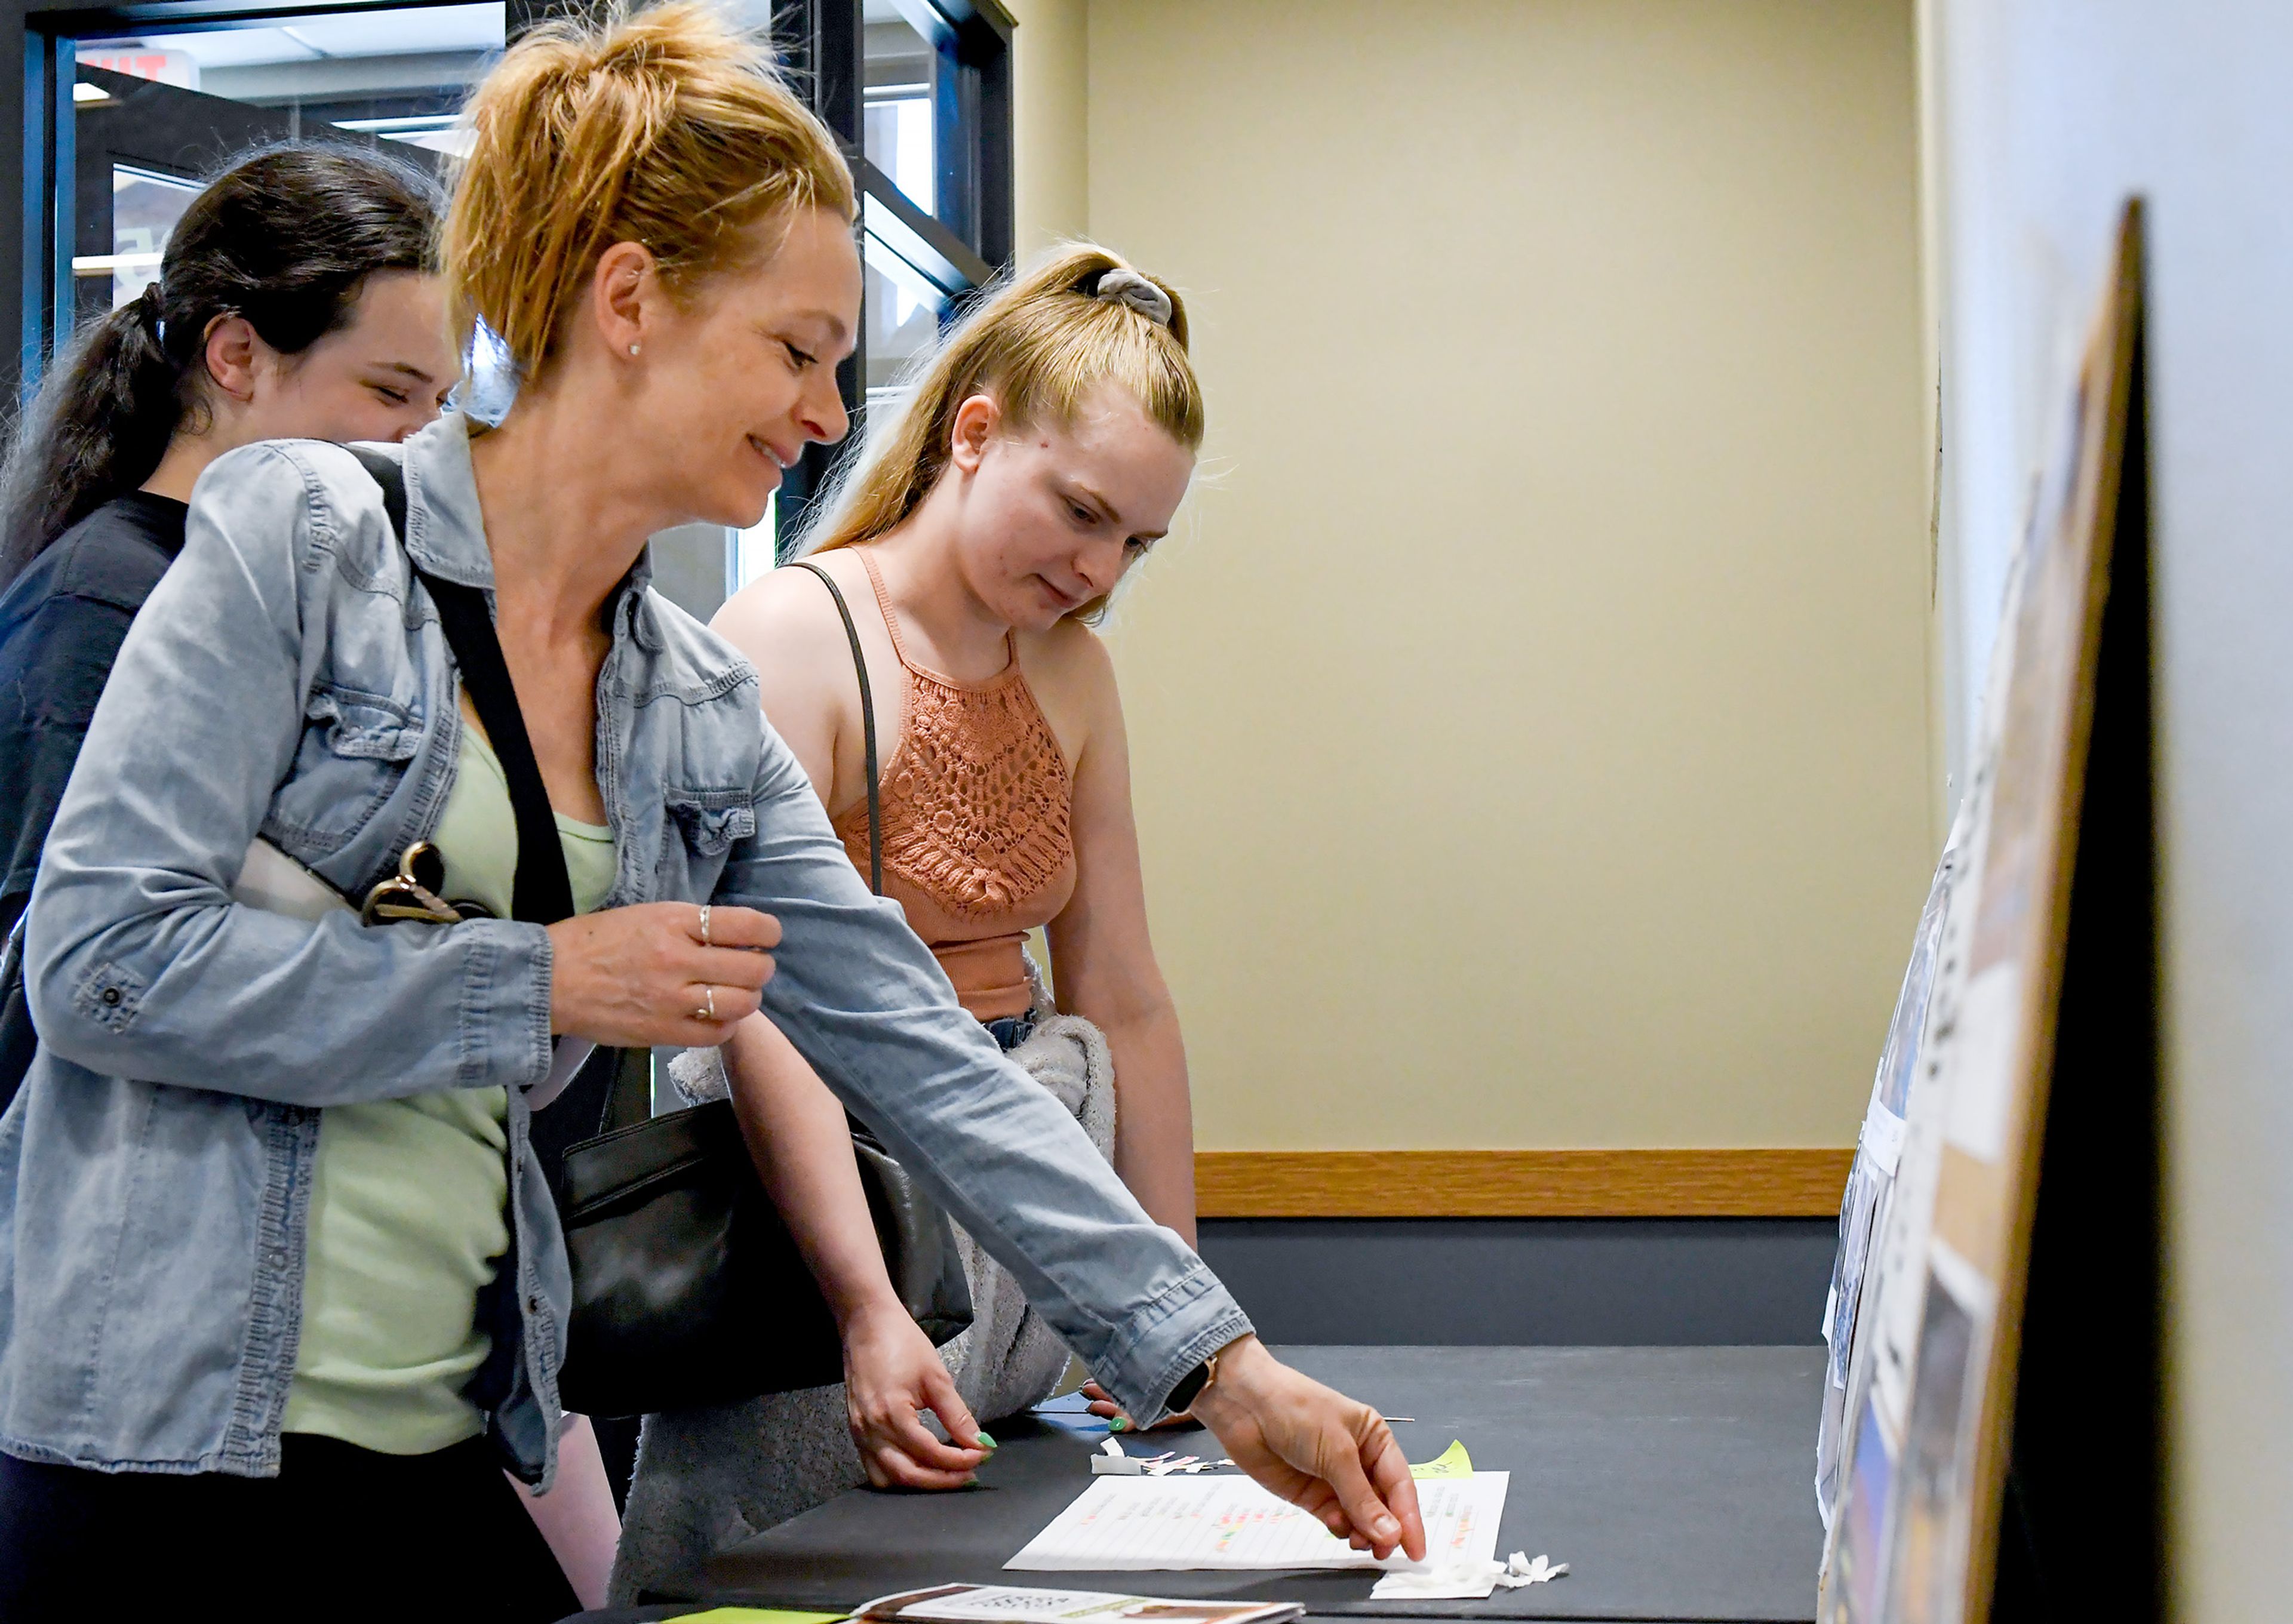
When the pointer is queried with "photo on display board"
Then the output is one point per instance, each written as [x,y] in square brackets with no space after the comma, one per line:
[1929,1537]
[1878,1149]
[1859,1573]
[1882,1342]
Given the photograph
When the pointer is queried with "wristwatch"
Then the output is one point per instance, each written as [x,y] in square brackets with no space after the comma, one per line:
[1192,1385]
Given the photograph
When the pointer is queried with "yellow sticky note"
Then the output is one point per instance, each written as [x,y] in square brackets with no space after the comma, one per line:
[756,1615]
[1453,1462]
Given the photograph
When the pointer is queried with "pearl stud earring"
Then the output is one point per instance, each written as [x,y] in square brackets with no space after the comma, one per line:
[635,348]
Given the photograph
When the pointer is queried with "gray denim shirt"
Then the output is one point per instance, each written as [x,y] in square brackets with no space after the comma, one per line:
[288,679]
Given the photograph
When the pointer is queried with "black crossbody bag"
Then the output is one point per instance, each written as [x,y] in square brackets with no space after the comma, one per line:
[688,1288]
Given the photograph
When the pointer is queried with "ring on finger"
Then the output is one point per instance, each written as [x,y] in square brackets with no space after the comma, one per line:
[708,1011]
[704,927]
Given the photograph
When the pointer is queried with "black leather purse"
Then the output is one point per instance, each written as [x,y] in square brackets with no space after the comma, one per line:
[688,1287]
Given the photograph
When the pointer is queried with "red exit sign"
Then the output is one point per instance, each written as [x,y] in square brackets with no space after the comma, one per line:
[164,67]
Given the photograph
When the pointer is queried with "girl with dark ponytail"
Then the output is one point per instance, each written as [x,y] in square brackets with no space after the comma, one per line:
[108,407]
[295,300]
[285,241]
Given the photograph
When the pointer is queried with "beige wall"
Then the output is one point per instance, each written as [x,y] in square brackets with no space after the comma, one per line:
[1050,75]
[1530,714]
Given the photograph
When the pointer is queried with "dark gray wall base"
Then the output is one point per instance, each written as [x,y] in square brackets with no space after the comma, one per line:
[1582,1281]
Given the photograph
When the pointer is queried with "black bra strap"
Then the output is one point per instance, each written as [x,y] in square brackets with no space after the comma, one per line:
[867,730]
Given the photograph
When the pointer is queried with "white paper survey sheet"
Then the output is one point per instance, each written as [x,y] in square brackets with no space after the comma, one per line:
[1137,1524]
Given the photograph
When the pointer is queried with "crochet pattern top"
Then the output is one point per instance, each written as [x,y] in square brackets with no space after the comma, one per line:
[976,800]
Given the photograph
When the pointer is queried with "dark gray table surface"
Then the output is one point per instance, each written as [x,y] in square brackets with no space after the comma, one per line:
[1675,1482]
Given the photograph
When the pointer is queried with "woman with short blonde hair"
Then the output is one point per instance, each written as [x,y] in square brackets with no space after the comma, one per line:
[283,1281]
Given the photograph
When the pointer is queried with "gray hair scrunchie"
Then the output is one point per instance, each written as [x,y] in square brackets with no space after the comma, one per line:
[1123,287]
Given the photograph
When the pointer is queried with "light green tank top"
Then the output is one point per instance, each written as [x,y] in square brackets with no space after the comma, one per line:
[409,1205]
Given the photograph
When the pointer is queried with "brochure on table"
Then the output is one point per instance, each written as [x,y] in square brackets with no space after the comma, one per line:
[1145,1524]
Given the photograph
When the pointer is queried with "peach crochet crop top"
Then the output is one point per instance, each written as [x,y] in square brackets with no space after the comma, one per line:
[976,800]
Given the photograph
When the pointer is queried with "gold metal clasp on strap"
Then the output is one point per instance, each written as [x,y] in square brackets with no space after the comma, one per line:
[411,893]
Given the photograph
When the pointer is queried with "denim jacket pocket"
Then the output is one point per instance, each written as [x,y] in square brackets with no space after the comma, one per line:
[700,832]
[365,726]
[711,820]
[355,748]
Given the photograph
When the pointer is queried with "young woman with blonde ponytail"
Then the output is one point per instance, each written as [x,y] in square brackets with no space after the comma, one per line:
[281,1284]
[1036,457]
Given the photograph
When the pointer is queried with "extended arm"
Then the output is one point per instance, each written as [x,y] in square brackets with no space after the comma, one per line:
[868,1008]
[1104,969]
[797,1135]
[865,1005]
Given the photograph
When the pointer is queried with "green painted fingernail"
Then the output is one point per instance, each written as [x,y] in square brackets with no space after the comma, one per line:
[987,1442]
[1120,1424]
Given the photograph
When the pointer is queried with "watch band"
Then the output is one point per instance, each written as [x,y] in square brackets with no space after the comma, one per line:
[1190,1386]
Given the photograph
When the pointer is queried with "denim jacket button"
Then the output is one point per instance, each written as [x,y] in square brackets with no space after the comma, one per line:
[112,996]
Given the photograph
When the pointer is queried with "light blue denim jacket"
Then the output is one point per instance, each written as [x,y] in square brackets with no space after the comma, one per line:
[288,679]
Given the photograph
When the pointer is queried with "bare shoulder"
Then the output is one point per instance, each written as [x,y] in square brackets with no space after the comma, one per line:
[1073,678]
[786,624]
[1070,658]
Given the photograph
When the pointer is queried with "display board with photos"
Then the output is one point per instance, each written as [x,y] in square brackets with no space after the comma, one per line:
[1931,1349]
[1871,1179]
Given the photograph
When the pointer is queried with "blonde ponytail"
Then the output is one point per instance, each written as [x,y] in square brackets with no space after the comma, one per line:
[664,127]
[1039,345]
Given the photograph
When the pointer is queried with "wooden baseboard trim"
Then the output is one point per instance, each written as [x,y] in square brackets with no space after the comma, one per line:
[1719,1183]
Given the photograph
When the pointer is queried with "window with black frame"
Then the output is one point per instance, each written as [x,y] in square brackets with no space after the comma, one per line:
[129,106]
[919,94]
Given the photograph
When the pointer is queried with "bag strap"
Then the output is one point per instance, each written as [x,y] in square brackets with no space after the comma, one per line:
[389,474]
[542,894]
[867,729]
